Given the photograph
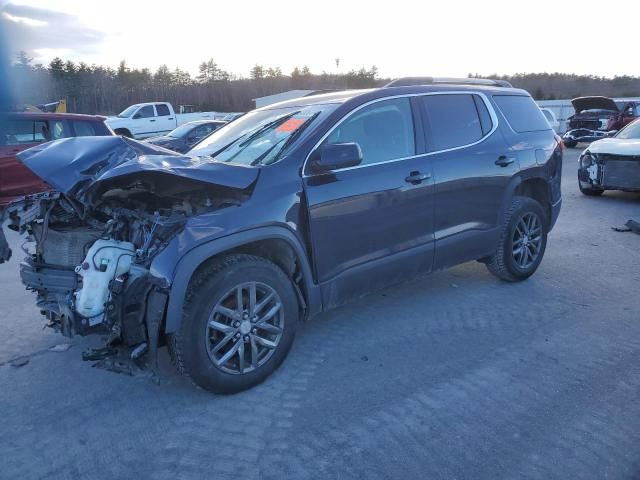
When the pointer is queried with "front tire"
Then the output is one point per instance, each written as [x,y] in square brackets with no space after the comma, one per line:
[522,243]
[570,143]
[239,322]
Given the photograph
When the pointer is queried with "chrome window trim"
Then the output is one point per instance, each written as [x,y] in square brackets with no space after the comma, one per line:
[485,99]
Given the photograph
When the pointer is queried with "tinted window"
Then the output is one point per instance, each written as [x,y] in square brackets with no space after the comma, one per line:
[83,129]
[146,112]
[24,131]
[453,121]
[522,113]
[162,110]
[384,131]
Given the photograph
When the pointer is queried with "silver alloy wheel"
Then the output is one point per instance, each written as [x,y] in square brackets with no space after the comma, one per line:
[527,240]
[244,328]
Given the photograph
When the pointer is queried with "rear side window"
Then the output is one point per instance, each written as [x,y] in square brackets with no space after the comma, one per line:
[547,114]
[83,129]
[162,110]
[24,131]
[384,131]
[522,113]
[454,120]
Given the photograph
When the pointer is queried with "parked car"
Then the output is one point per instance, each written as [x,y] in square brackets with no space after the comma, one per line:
[286,212]
[612,163]
[595,117]
[144,120]
[186,136]
[22,130]
[551,118]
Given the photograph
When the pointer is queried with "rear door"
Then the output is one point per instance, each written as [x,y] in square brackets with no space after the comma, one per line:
[18,135]
[165,120]
[472,168]
[372,225]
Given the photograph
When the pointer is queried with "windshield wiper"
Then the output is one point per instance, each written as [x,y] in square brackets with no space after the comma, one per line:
[252,136]
[292,138]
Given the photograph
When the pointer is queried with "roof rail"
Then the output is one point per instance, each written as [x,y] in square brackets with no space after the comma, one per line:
[411,81]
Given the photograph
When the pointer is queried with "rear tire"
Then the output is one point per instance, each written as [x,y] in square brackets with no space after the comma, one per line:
[123,132]
[522,242]
[219,347]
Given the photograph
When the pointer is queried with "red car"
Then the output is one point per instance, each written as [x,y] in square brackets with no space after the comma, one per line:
[22,130]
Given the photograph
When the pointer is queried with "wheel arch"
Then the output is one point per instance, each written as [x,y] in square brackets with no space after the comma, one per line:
[536,188]
[276,244]
[125,132]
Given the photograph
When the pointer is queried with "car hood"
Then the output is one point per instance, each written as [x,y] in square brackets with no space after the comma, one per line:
[616,146]
[74,166]
[594,103]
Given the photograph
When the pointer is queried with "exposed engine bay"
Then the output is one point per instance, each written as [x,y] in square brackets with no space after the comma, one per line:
[89,248]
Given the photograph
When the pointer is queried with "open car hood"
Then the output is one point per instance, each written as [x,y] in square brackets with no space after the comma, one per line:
[593,103]
[74,166]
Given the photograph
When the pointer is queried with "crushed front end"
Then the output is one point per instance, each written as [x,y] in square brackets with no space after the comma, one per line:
[608,171]
[91,242]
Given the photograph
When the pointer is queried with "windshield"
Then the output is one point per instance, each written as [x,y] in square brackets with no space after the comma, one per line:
[181,131]
[631,131]
[127,112]
[260,137]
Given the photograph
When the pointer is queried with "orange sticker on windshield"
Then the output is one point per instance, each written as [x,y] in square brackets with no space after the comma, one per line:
[290,125]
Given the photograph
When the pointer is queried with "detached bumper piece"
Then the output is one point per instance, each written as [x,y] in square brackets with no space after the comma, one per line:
[584,135]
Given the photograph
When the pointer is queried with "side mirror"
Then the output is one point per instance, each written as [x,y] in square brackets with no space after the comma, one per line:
[136,116]
[336,156]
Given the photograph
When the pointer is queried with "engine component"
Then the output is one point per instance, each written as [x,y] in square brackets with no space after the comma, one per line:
[105,260]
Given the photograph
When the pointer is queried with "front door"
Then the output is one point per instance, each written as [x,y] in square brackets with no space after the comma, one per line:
[143,123]
[372,225]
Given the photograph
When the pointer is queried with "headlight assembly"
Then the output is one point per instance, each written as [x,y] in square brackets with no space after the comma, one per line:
[587,160]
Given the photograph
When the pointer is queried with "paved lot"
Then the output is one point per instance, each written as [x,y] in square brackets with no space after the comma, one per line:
[454,376]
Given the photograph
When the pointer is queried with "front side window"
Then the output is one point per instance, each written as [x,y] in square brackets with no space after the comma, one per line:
[146,112]
[162,109]
[453,120]
[383,130]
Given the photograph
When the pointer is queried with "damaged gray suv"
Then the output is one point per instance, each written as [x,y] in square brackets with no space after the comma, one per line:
[287,212]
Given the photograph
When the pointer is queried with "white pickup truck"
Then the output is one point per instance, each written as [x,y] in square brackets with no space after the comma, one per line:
[144,120]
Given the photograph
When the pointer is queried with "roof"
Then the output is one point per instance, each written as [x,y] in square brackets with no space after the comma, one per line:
[54,116]
[373,93]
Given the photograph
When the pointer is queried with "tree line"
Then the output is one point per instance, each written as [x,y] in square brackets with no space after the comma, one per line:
[104,90]
[98,89]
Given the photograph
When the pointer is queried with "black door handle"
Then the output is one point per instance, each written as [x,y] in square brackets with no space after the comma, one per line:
[504,161]
[417,177]
[152,120]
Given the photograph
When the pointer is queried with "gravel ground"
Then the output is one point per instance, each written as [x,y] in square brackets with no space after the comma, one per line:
[457,375]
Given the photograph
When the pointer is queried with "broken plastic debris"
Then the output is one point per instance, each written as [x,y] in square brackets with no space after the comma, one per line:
[19,362]
[630,226]
[61,347]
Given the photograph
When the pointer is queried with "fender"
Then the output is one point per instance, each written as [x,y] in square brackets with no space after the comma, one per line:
[188,264]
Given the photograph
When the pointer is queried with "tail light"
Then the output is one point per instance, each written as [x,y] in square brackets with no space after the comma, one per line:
[560,143]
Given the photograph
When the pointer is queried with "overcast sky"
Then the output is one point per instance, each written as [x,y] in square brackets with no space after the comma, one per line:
[400,37]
